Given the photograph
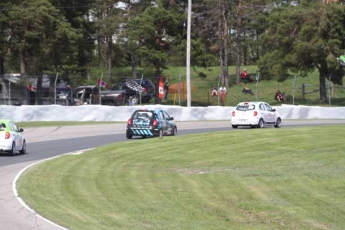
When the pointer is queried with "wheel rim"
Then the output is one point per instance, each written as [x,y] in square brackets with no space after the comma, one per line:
[261,124]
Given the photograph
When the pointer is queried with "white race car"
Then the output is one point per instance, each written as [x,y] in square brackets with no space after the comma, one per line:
[255,114]
[12,139]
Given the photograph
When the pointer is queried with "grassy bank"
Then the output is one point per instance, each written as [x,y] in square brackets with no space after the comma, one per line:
[246,179]
[203,79]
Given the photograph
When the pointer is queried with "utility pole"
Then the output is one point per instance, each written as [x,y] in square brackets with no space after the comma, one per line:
[189,99]
[238,40]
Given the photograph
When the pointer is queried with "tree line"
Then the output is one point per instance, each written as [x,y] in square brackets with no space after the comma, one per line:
[70,37]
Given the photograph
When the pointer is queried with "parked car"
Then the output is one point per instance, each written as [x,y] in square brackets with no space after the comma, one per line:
[91,95]
[150,123]
[255,114]
[133,88]
[12,139]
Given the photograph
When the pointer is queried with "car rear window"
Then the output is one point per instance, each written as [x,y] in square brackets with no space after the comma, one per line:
[143,114]
[245,107]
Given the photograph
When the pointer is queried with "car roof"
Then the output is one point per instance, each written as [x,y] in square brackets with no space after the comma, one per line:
[5,121]
[251,102]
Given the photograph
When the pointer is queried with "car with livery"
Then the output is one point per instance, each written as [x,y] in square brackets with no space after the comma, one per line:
[12,139]
[150,123]
[255,114]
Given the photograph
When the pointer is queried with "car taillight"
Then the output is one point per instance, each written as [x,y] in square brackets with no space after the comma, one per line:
[155,123]
[7,135]
[255,113]
[233,113]
[129,122]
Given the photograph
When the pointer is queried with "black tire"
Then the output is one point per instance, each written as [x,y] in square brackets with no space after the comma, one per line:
[23,150]
[129,136]
[108,103]
[261,124]
[174,131]
[235,126]
[278,123]
[13,150]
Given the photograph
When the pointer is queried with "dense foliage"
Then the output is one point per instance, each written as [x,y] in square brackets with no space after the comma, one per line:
[74,37]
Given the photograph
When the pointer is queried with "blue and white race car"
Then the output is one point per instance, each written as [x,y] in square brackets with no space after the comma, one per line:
[150,123]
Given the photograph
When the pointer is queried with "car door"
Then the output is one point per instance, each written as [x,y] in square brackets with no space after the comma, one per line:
[163,120]
[263,112]
[270,114]
[169,121]
[17,136]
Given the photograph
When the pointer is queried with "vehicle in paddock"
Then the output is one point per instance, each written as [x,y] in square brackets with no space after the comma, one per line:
[255,114]
[150,123]
[12,139]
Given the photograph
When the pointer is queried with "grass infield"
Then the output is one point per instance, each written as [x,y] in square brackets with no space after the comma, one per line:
[288,178]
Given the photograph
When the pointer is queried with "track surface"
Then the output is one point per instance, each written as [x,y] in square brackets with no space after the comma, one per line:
[46,142]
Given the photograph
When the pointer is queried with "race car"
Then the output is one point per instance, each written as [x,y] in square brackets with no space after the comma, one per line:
[255,114]
[12,139]
[150,123]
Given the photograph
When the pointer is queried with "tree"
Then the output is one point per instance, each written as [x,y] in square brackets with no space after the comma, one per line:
[37,33]
[300,39]
[150,35]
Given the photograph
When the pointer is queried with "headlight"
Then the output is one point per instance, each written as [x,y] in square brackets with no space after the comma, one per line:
[63,97]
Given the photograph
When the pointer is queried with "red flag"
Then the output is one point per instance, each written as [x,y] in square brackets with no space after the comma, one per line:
[102,84]
[160,88]
[32,88]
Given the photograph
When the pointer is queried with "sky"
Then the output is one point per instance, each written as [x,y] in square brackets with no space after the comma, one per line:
[122,113]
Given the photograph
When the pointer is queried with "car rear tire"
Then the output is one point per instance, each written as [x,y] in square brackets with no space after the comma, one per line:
[261,124]
[109,104]
[129,136]
[23,151]
[278,123]
[13,149]
[235,126]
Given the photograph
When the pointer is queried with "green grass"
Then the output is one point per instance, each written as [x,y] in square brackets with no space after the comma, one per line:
[245,179]
[203,79]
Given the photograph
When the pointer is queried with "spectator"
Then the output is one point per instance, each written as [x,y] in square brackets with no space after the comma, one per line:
[166,88]
[214,91]
[245,76]
[222,92]
[247,90]
[280,96]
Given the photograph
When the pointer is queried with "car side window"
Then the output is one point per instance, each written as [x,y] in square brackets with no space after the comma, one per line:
[262,107]
[166,115]
[268,108]
[14,127]
[160,115]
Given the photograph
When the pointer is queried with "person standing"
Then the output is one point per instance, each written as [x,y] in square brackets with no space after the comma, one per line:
[166,88]
[222,93]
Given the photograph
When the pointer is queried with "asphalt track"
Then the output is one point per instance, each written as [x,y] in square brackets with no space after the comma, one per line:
[47,142]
